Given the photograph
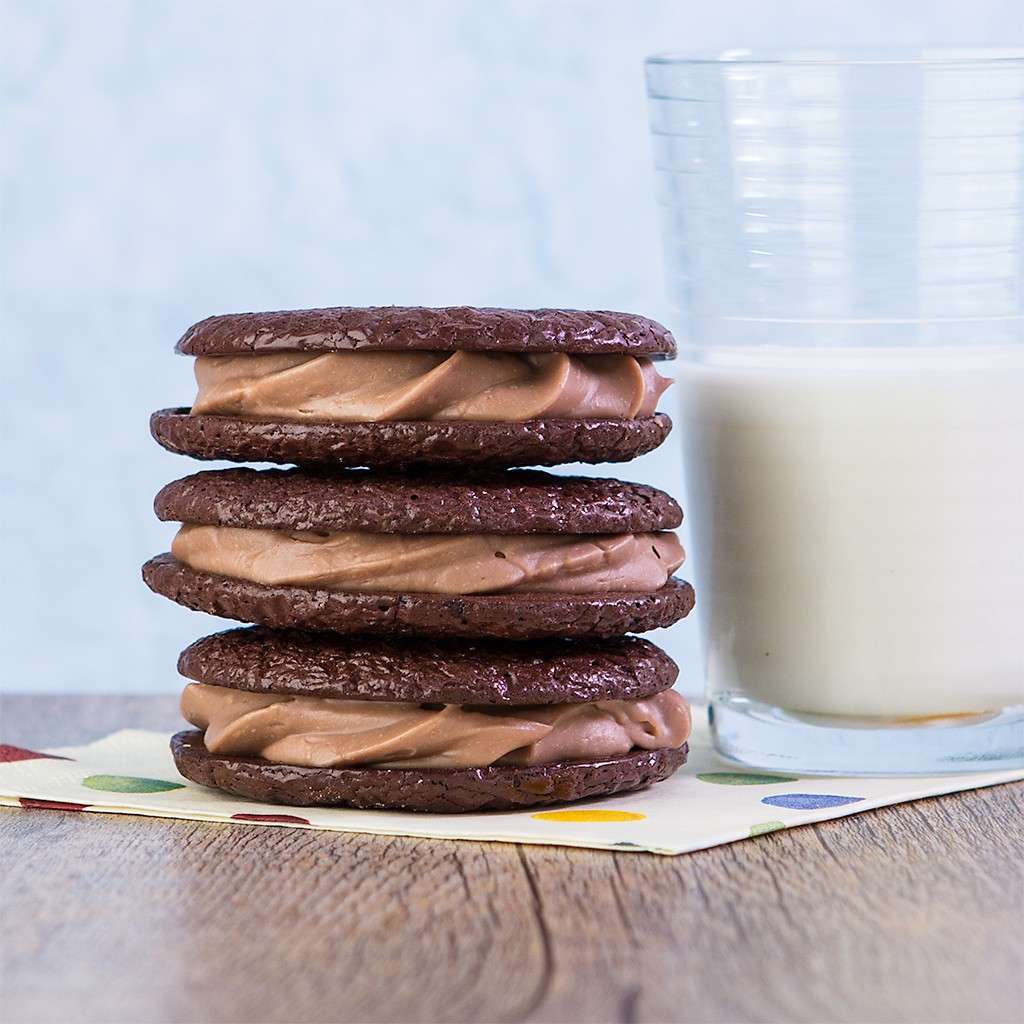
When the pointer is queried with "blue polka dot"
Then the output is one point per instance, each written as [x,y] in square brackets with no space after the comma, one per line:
[809,801]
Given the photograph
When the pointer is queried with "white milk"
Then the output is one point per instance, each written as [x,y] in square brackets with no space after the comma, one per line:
[858,523]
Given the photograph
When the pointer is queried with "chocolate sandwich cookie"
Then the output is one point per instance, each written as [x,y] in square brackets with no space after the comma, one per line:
[405,386]
[512,555]
[429,726]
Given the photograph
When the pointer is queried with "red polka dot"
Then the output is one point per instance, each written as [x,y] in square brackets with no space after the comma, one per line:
[288,819]
[9,753]
[50,805]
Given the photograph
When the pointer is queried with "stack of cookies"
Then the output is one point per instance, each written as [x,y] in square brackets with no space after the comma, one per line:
[436,629]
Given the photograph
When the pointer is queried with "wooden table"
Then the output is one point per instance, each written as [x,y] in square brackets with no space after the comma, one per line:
[911,913]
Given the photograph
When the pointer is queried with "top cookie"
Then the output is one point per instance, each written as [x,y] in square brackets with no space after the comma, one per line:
[551,671]
[518,501]
[420,328]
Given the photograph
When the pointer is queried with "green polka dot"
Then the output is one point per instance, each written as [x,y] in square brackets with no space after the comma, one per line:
[129,784]
[765,826]
[743,778]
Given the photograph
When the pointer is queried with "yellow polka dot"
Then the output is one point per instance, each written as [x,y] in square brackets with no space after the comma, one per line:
[589,816]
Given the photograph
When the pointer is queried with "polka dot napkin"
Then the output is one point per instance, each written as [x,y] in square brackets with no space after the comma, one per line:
[706,803]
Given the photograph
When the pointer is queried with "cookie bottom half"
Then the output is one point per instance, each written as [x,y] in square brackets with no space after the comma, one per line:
[432,790]
[401,444]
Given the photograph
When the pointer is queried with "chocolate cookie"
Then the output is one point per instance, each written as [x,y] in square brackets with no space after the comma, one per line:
[506,505]
[438,790]
[445,329]
[429,671]
[259,437]
[515,616]
[539,442]
[513,502]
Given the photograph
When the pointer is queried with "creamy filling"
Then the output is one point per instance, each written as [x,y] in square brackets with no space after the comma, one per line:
[327,733]
[328,387]
[433,563]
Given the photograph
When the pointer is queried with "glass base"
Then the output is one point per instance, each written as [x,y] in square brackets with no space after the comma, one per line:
[761,736]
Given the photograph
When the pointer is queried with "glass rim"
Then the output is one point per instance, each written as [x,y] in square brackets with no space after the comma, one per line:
[803,57]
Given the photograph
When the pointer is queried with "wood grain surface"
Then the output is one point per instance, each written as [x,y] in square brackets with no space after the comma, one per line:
[909,913]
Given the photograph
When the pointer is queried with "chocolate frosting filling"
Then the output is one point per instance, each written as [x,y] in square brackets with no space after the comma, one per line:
[329,733]
[333,387]
[433,563]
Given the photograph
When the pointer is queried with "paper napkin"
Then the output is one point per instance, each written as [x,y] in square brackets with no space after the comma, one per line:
[706,803]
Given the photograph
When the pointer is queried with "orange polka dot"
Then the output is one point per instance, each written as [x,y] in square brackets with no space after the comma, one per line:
[588,816]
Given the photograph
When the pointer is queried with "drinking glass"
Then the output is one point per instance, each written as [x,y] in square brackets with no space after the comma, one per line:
[844,243]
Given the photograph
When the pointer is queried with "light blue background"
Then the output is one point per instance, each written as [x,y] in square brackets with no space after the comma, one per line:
[165,161]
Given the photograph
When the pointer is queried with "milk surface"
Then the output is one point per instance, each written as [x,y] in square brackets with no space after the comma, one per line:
[858,519]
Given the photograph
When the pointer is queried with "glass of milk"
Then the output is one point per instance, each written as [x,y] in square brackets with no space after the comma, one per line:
[844,238]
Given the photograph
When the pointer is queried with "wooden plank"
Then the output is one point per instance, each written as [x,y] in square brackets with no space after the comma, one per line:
[913,913]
